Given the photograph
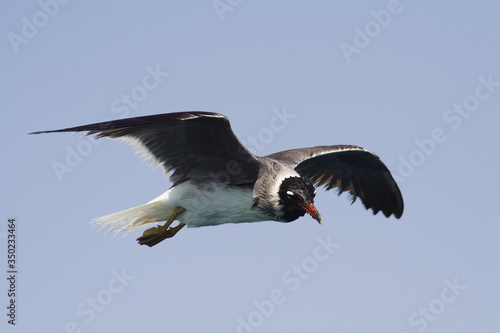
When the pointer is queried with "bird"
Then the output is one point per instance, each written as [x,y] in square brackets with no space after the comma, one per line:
[217,180]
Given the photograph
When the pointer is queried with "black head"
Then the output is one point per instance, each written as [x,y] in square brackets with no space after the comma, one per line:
[297,197]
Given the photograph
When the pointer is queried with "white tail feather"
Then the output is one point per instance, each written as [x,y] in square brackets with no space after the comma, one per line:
[134,218]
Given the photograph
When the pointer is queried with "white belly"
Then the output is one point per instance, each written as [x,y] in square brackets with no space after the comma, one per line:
[212,205]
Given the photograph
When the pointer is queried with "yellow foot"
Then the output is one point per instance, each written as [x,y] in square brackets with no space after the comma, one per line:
[154,235]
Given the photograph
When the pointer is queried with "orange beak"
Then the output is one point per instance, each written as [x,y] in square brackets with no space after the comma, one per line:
[312,211]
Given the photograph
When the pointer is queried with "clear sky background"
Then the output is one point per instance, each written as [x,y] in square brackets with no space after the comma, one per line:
[417,82]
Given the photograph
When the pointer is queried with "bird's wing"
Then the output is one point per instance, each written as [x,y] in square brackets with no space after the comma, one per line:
[191,144]
[348,168]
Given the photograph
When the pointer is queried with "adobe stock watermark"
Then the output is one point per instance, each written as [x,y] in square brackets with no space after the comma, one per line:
[277,123]
[31,26]
[426,315]
[89,309]
[292,279]
[121,106]
[363,36]
[454,118]
[218,180]
[222,7]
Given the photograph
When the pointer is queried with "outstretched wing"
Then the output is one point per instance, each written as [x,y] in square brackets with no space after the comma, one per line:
[191,144]
[348,168]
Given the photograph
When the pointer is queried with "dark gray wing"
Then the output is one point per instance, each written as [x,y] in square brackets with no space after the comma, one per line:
[348,168]
[191,144]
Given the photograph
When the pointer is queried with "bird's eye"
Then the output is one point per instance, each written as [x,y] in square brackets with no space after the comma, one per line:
[289,194]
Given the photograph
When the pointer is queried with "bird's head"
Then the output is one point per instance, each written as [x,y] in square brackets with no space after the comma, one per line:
[297,197]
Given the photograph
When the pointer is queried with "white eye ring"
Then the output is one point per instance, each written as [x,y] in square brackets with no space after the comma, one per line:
[289,193]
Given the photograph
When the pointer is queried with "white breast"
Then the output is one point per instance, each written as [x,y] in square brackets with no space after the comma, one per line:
[212,204]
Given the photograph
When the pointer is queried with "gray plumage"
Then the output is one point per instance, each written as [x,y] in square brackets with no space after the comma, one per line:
[200,151]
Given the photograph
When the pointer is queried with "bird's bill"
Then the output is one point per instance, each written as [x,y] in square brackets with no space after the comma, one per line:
[309,207]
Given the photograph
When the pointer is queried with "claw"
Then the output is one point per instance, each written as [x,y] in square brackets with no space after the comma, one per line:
[154,235]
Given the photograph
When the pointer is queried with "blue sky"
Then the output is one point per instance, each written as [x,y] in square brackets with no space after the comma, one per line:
[416,82]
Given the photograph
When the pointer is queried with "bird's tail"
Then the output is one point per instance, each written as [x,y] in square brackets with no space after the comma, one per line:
[134,218]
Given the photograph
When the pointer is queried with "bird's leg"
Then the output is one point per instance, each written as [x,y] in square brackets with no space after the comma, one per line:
[154,235]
